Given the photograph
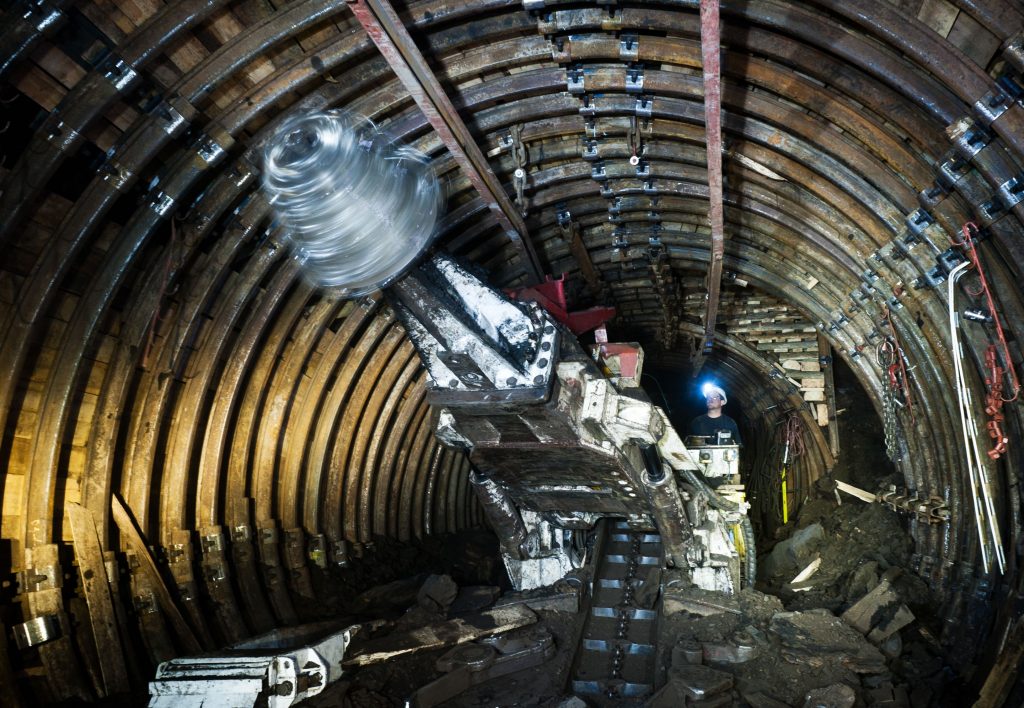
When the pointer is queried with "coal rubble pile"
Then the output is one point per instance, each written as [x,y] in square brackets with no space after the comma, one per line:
[846,624]
[841,623]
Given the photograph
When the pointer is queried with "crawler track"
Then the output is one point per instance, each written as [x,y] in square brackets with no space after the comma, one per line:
[616,656]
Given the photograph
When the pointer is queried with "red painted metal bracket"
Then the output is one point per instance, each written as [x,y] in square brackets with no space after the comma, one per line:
[551,296]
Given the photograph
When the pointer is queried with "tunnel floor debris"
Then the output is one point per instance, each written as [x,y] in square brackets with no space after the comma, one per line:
[856,631]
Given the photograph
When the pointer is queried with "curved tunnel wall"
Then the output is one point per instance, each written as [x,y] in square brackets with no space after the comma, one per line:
[159,345]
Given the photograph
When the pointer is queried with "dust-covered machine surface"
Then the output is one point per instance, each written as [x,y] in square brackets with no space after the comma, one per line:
[560,439]
[583,480]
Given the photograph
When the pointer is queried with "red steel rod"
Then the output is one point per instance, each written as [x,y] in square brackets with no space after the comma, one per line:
[385,28]
[709,47]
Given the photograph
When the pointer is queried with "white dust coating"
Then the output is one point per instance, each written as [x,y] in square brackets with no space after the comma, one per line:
[498,317]
[358,208]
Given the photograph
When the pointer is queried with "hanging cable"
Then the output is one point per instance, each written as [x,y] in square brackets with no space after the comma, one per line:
[983,508]
[997,375]
[792,437]
[901,373]
[994,404]
[972,254]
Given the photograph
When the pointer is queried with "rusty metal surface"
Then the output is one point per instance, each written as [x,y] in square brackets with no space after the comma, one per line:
[845,104]
[709,44]
[87,101]
[386,30]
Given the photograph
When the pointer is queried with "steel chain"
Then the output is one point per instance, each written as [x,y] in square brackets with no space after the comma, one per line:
[893,448]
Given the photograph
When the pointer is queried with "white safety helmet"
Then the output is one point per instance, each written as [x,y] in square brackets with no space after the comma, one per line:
[710,388]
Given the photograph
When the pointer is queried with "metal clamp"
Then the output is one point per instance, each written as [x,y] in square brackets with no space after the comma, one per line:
[47,16]
[950,172]
[61,135]
[930,279]
[992,105]
[212,543]
[990,210]
[1011,192]
[173,121]
[241,533]
[590,150]
[45,577]
[36,631]
[561,51]
[317,550]
[970,139]
[340,554]
[574,81]
[644,106]
[115,175]
[1013,50]
[161,202]
[919,220]
[949,259]
[145,602]
[629,47]
[209,149]
[635,79]
[589,108]
[119,73]
[899,250]
[111,568]
[598,171]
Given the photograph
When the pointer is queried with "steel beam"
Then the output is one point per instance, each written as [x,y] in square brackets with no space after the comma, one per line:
[387,31]
[709,49]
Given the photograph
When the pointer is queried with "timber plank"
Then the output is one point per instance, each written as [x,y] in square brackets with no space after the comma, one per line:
[133,537]
[96,588]
[65,70]
[39,86]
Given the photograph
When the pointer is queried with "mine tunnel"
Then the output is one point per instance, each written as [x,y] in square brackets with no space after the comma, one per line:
[818,206]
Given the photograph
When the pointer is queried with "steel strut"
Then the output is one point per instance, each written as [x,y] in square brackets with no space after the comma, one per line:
[385,28]
[709,47]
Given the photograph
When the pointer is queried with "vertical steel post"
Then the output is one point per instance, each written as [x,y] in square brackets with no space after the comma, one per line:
[385,28]
[709,46]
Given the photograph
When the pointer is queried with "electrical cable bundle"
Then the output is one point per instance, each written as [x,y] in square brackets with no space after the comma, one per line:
[986,521]
[359,209]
